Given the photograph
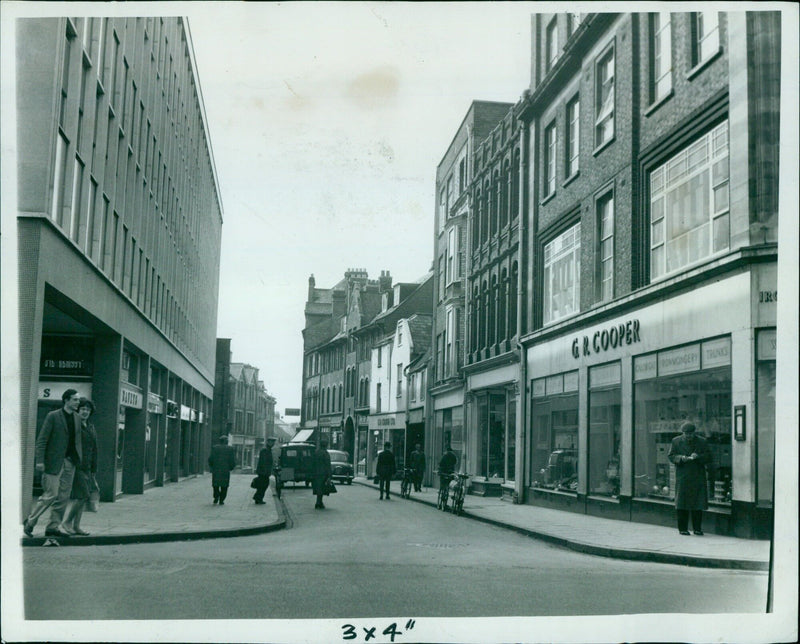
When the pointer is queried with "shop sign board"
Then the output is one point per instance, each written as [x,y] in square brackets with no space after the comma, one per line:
[717,353]
[186,412]
[155,404]
[679,360]
[605,375]
[64,355]
[388,421]
[130,396]
[602,340]
[53,390]
[291,411]
[767,345]
[645,367]
[193,415]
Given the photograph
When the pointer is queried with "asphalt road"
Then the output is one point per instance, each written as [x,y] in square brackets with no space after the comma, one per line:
[362,558]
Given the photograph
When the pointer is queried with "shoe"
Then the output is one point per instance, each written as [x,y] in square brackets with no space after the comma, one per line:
[80,532]
[699,533]
[68,531]
[388,498]
[222,502]
[216,501]
[380,499]
[260,502]
[685,532]
[318,506]
[27,528]
[55,532]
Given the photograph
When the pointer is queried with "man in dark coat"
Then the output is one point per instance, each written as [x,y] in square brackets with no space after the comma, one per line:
[263,470]
[221,461]
[321,471]
[385,469]
[58,453]
[417,463]
[690,454]
[447,465]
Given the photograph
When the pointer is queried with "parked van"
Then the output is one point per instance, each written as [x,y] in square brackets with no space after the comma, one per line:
[297,462]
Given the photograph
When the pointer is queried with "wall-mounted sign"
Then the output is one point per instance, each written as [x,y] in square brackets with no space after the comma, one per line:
[155,404]
[389,421]
[53,390]
[130,397]
[767,348]
[645,367]
[64,355]
[604,339]
[679,360]
[186,412]
[717,353]
[570,381]
[291,411]
[605,375]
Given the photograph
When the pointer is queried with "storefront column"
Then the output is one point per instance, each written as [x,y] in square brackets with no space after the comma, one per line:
[133,451]
[626,429]
[173,455]
[743,371]
[583,431]
[105,394]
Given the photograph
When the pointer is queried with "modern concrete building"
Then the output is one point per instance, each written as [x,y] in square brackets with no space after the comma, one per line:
[653,258]
[119,224]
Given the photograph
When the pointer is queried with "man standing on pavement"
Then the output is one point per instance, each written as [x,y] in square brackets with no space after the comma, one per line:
[58,452]
[417,463]
[385,469]
[263,470]
[447,465]
[690,454]
[221,461]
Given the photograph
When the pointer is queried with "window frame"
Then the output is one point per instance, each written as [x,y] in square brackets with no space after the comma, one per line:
[660,43]
[547,278]
[605,107]
[549,165]
[607,197]
[551,44]
[572,138]
[698,19]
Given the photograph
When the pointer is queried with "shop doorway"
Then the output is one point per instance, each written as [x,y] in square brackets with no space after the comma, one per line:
[349,442]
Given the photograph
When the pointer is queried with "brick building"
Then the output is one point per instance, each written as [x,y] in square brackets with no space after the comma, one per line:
[653,207]
[119,223]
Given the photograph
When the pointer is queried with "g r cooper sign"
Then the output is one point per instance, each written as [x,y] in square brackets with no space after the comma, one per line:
[605,339]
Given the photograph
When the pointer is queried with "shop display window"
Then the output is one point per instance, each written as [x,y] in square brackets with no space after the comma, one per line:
[605,403]
[663,402]
[450,426]
[554,433]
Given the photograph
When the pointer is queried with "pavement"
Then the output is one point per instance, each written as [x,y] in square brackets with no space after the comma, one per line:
[182,511]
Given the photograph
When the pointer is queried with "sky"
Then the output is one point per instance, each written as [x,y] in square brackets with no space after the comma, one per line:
[327,122]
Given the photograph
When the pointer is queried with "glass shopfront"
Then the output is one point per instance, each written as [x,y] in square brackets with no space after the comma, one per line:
[554,432]
[688,383]
[605,403]
[449,424]
[497,435]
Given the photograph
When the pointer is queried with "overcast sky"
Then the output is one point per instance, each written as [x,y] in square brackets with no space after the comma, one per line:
[327,122]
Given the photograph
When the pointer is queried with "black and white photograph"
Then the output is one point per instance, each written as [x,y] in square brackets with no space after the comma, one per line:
[399,321]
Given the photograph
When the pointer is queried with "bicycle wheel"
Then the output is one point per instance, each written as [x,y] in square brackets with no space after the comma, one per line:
[441,503]
[405,488]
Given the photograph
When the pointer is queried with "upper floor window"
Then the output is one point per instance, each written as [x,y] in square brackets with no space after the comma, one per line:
[550,159]
[380,355]
[551,44]
[604,102]
[605,255]
[378,398]
[573,22]
[399,380]
[562,275]
[573,136]
[689,197]
[660,56]
[452,255]
[705,30]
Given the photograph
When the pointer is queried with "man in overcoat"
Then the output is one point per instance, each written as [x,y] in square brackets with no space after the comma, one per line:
[690,454]
[263,470]
[385,469]
[58,452]
[321,473]
[417,463]
[221,461]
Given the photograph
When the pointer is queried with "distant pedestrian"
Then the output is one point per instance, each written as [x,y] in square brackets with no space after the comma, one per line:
[447,465]
[321,476]
[221,461]
[263,470]
[385,469]
[58,452]
[83,482]
[417,463]
[690,454]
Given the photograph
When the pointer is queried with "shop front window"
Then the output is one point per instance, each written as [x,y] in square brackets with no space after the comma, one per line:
[511,440]
[496,429]
[450,426]
[690,383]
[605,402]
[554,432]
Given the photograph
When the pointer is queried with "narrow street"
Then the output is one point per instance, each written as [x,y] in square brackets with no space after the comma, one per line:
[360,558]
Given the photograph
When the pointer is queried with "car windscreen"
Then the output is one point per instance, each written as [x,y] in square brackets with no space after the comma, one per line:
[336,455]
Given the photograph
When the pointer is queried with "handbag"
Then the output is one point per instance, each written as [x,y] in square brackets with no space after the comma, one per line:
[330,488]
[254,482]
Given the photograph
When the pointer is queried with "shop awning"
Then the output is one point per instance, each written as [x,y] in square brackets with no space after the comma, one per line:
[302,436]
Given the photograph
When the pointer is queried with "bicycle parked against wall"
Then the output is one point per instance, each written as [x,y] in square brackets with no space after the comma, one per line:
[407,482]
[444,489]
[459,489]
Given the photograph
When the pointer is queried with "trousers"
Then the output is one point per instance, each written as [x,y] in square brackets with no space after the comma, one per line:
[683,519]
[384,486]
[220,492]
[55,495]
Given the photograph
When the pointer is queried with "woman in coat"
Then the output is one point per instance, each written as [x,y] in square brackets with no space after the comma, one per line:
[221,461]
[321,476]
[690,454]
[83,482]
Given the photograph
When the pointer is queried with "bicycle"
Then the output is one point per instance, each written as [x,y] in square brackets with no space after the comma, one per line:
[459,490]
[405,486]
[444,489]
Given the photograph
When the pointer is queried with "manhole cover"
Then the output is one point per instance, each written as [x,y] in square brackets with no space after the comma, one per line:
[443,546]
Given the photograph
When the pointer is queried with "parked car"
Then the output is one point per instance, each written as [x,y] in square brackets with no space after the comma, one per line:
[341,468]
[297,462]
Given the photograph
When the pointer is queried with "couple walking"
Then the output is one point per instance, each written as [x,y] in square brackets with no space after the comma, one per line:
[66,458]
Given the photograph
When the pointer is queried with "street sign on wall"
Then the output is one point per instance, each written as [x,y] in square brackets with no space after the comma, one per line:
[291,411]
